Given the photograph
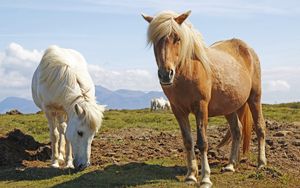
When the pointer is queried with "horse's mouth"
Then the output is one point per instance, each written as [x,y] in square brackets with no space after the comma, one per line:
[166,83]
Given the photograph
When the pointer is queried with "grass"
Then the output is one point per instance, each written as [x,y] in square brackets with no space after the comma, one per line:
[166,172]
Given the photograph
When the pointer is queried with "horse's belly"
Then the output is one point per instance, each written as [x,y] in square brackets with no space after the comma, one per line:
[227,98]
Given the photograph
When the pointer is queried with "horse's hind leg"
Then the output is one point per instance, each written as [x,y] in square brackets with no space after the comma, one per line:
[54,137]
[259,125]
[236,134]
[191,176]
[65,145]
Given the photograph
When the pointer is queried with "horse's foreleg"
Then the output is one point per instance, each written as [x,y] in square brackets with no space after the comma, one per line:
[62,141]
[259,124]
[65,145]
[54,137]
[202,122]
[191,176]
[236,133]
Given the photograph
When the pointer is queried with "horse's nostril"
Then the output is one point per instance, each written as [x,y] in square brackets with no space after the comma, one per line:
[160,74]
[171,73]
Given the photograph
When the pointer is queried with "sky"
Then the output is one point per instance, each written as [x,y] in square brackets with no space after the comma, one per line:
[111,35]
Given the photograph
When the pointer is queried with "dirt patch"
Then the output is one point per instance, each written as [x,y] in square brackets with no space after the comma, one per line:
[140,144]
[17,147]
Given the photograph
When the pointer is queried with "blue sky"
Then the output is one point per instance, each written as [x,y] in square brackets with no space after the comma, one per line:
[112,37]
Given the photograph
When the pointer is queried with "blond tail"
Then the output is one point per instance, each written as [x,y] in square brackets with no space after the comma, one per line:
[245,117]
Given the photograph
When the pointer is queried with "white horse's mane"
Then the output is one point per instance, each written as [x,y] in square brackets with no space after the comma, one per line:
[65,72]
[192,44]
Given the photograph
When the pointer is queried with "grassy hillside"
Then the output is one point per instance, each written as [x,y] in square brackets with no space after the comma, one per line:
[36,124]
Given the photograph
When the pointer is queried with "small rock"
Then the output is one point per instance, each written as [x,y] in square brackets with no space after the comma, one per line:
[296,142]
[213,153]
[297,136]
[180,150]
[283,133]
[269,142]
[281,142]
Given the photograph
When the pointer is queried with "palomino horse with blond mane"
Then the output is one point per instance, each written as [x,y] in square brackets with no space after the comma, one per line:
[64,90]
[223,79]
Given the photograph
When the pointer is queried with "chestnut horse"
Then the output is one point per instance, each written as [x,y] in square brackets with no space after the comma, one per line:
[223,79]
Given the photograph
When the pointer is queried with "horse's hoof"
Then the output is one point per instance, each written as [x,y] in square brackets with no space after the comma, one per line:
[61,158]
[191,180]
[261,166]
[69,165]
[205,185]
[228,168]
[55,165]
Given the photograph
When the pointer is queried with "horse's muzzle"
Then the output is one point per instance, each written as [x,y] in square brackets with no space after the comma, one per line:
[80,166]
[166,77]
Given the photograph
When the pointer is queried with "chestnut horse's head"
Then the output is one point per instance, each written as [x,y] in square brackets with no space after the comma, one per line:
[175,44]
[167,43]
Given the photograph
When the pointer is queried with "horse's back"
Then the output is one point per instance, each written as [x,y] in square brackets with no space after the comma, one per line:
[239,50]
[61,73]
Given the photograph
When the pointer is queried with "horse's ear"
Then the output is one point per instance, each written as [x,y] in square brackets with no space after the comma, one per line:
[79,111]
[147,18]
[180,19]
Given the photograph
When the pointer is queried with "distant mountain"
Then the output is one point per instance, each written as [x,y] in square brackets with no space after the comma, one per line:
[119,99]
[22,105]
[126,99]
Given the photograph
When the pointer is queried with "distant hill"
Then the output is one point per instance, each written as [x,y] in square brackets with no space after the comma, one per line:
[21,104]
[119,99]
[126,99]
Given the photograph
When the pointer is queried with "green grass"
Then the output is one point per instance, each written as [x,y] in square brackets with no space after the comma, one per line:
[166,172]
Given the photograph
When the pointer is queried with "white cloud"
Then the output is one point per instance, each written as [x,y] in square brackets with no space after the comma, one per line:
[18,64]
[16,68]
[135,79]
[277,85]
[281,84]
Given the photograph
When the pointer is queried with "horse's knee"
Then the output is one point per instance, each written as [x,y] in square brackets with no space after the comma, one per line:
[236,133]
[188,144]
[260,131]
[54,134]
[62,127]
[202,145]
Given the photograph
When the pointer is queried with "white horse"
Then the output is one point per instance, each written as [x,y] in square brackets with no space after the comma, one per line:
[64,90]
[160,104]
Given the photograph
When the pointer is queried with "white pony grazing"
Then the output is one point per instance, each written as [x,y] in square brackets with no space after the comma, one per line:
[64,90]
[160,104]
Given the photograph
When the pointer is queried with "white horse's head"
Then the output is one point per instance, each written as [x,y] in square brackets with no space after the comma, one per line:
[83,123]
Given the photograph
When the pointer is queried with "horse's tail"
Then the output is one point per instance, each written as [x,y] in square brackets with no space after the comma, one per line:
[245,118]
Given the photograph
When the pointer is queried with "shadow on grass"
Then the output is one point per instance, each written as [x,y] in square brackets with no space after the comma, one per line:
[37,173]
[130,174]
[111,176]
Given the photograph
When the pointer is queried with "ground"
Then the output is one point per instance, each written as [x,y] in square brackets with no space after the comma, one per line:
[139,148]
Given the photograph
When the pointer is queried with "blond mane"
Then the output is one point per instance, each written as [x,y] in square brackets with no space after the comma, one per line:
[192,45]
[71,83]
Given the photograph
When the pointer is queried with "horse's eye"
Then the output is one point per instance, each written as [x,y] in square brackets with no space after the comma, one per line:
[176,39]
[80,133]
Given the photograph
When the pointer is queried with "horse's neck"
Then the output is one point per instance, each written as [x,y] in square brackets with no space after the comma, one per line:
[194,69]
[79,100]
